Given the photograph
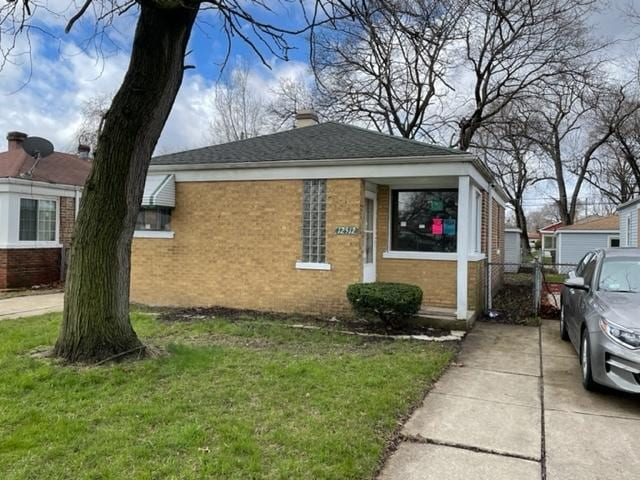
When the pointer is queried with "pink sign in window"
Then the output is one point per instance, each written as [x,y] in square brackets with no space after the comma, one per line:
[436,226]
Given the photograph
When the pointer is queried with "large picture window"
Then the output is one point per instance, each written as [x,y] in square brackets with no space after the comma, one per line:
[156,219]
[314,221]
[37,220]
[424,220]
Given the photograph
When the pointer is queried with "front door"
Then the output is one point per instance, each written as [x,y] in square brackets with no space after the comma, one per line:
[369,238]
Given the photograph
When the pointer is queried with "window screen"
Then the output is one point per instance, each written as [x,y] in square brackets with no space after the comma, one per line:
[314,221]
[424,220]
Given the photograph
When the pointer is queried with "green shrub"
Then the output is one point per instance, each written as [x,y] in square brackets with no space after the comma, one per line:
[390,302]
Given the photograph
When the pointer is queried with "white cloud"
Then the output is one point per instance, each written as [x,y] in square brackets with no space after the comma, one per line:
[49,104]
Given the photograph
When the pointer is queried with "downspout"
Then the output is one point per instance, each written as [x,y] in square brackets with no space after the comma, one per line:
[489,247]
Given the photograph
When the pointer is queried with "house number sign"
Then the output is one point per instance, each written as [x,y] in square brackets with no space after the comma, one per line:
[350,230]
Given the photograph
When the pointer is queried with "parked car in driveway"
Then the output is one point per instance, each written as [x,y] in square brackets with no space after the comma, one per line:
[600,315]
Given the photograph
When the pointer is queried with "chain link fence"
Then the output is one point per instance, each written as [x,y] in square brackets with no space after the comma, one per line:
[519,292]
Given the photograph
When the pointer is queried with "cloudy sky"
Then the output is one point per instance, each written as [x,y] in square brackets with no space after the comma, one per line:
[44,87]
[51,75]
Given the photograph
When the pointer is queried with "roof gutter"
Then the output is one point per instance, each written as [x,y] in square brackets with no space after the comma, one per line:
[39,183]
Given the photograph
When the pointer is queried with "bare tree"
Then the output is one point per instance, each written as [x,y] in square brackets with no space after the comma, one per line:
[612,173]
[239,112]
[513,47]
[543,216]
[91,119]
[572,123]
[96,324]
[290,96]
[510,154]
[386,64]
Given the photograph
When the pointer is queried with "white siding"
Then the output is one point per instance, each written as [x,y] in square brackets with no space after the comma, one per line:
[159,190]
[512,249]
[573,246]
[629,216]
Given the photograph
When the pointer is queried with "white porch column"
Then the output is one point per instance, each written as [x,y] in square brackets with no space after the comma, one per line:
[463,246]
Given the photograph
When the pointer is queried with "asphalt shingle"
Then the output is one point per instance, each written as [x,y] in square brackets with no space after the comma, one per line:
[325,141]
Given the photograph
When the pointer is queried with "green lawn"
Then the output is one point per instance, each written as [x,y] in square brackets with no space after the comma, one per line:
[233,399]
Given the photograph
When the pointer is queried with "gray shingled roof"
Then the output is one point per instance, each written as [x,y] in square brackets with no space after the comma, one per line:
[325,141]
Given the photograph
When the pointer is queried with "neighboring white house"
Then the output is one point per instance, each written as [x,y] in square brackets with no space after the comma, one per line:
[548,242]
[512,249]
[628,213]
[574,241]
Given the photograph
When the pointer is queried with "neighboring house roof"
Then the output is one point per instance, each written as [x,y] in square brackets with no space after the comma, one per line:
[533,235]
[325,141]
[605,224]
[62,168]
[551,227]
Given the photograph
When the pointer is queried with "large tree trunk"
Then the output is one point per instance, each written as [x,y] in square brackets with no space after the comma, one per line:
[96,322]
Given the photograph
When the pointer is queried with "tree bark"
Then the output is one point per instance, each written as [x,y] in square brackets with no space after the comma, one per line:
[96,322]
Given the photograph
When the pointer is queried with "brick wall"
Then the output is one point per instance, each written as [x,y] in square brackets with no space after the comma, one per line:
[236,245]
[26,267]
[497,252]
[67,220]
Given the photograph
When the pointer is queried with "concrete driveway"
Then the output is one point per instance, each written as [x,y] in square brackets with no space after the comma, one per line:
[30,305]
[514,408]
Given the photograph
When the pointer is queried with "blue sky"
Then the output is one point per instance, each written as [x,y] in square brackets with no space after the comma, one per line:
[44,93]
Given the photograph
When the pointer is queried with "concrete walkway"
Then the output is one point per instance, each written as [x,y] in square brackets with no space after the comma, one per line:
[31,305]
[514,408]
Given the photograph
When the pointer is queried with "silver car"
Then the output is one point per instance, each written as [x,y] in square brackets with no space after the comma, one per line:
[600,314]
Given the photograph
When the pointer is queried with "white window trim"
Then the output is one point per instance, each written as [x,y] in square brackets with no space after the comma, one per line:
[476,211]
[312,266]
[38,243]
[473,256]
[411,255]
[420,255]
[154,234]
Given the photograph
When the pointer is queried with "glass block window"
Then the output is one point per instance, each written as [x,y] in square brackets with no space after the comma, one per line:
[154,219]
[424,220]
[314,215]
[37,220]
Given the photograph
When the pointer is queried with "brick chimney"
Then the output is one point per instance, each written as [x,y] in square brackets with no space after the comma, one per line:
[83,151]
[15,139]
[305,118]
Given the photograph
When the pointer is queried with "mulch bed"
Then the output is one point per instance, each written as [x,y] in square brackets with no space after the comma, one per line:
[360,326]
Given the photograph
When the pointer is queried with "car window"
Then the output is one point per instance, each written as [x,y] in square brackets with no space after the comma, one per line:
[590,270]
[620,275]
[582,264]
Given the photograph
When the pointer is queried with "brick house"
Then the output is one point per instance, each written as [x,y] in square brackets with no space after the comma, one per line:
[285,222]
[38,205]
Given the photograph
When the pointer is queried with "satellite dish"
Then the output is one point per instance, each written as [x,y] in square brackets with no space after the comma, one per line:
[37,147]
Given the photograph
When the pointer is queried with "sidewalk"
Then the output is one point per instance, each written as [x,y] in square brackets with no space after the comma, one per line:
[31,305]
[513,407]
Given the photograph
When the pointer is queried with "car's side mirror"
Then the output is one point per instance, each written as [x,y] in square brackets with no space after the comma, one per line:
[572,274]
[577,283]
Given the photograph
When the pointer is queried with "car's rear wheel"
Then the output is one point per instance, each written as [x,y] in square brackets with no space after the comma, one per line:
[585,362]
[564,335]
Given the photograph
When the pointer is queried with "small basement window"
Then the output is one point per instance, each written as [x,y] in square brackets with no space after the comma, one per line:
[614,242]
[37,220]
[424,220]
[157,219]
